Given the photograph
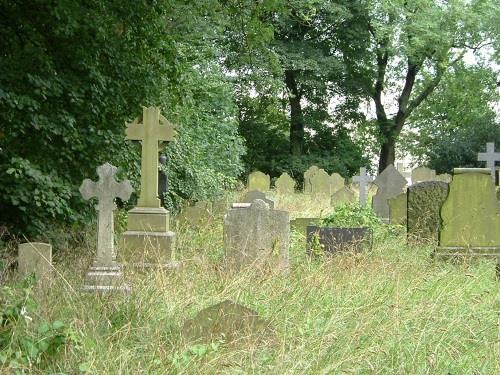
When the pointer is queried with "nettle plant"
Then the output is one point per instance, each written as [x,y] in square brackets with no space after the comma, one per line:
[351,215]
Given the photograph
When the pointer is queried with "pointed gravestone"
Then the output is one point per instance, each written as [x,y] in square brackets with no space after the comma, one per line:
[363,179]
[35,257]
[258,181]
[490,157]
[307,178]
[421,174]
[320,184]
[390,183]
[398,209]
[252,196]
[105,274]
[148,240]
[470,216]
[285,185]
[344,195]
[337,182]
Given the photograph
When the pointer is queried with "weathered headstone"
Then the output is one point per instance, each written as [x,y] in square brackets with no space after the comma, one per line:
[421,174]
[307,178]
[363,179]
[390,183]
[300,224]
[252,196]
[256,235]
[259,181]
[229,322]
[337,182]
[105,274]
[444,177]
[398,209]
[330,240]
[148,240]
[470,216]
[285,184]
[320,184]
[35,257]
[196,214]
[425,200]
[344,195]
[490,157]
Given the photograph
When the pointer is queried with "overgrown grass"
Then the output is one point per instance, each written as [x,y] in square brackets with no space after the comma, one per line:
[391,310]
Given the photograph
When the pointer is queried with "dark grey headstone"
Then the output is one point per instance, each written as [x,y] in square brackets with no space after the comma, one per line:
[332,240]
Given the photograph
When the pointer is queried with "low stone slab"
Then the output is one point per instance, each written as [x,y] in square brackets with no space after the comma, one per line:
[35,257]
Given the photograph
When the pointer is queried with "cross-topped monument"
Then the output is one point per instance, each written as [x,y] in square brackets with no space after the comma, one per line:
[490,157]
[363,180]
[106,189]
[154,128]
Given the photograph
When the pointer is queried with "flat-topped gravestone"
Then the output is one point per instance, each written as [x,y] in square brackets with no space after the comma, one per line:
[344,195]
[490,157]
[35,257]
[363,179]
[425,200]
[148,240]
[470,216]
[229,322]
[285,184]
[256,235]
[307,178]
[252,196]
[337,182]
[398,209]
[259,181]
[390,183]
[421,174]
[320,184]
[105,274]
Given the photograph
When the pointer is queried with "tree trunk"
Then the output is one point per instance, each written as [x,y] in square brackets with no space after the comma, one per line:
[387,154]
[296,119]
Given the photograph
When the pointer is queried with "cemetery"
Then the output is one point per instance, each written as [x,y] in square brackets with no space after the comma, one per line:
[171,205]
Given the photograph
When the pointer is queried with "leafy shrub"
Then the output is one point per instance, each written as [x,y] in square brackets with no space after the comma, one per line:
[352,215]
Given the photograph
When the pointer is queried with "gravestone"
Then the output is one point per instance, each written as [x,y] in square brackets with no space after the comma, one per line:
[425,200]
[470,216]
[344,195]
[421,174]
[252,196]
[35,257]
[320,184]
[398,209]
[196,214]
[148,240]
[229,322]
[390,183]
[162,180]
[330,240]
[256,235]
[259,181]
[300,224]
[337,182]
[285,184]
[444,177]
[490,157]
[105,274]
[363,179]
[307,178]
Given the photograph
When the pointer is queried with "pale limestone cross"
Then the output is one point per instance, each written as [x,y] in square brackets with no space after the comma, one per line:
[154,128]
[363,180]
[490,157]
[105,190]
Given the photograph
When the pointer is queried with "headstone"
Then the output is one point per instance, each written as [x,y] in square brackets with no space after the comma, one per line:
[229,322]
[252,196]
[259,181]
[148,240]
[490,157]
[398,209]
[363,179]
[162,180]
[35,257]
[444,177]
[197,214]
[307,178]
[320,184]
[337,182]
[331,240]
[105,274]
[300,224]
[390,183]
[285,184]
[344,195]
[470,216]
[256,235]
[421,174]
[425,200]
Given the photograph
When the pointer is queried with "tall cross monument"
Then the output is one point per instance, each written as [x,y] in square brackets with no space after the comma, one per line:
[363,180]
[490,157]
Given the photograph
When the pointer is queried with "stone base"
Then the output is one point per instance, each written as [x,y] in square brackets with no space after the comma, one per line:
[458,252]
[105,279]
[148,219]
[141,247]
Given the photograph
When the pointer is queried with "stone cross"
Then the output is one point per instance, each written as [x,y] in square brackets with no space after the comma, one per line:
[154,128]
[105,190]
[363,180]
[490,157]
